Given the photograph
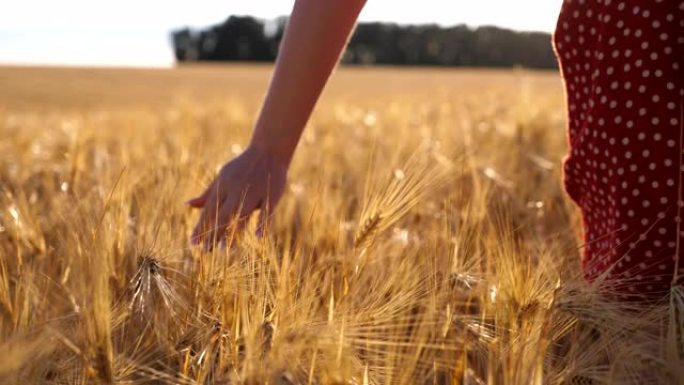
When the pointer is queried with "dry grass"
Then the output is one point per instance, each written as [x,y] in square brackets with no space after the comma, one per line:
[424,238]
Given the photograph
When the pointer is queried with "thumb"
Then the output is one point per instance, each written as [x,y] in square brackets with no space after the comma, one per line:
[200,201]
[196,202]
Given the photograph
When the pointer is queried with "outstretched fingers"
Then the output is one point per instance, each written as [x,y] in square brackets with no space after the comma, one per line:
[236,210]
[211,204]
[217,227]
[245,211]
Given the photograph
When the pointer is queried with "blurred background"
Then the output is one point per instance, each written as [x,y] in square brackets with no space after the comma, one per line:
[154,33]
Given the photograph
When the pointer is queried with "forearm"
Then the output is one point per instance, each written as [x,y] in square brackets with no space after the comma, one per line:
[316,34]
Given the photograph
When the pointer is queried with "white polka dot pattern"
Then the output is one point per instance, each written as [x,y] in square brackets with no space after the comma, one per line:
[622,63]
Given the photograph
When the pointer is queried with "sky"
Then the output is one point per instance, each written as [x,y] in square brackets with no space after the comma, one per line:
[136,32]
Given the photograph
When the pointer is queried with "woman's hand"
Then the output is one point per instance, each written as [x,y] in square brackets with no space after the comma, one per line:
[253,180]
[316,34]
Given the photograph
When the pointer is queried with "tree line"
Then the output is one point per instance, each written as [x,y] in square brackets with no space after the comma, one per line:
[244,38]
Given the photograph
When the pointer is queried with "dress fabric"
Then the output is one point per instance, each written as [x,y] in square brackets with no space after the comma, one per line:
[622,64]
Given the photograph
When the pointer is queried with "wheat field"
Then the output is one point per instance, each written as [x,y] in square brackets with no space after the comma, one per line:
[424,237]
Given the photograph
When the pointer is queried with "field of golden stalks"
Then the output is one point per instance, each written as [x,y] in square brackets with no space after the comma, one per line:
[424,237]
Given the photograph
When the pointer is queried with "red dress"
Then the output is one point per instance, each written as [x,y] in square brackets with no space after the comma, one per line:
[622,63]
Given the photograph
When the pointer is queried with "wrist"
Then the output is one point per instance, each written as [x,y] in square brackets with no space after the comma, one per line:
[276,149]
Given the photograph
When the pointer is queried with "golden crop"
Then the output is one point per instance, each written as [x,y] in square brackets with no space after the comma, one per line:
[424,238]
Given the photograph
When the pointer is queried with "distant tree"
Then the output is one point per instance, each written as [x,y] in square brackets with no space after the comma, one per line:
[274,31]
[244,38]
[184,45]
[239,38]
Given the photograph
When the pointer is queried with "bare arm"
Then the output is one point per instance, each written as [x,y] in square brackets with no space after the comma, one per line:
[317,33]
[315,36]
